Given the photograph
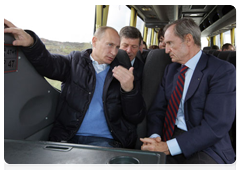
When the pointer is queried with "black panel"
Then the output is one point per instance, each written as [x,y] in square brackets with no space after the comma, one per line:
[29,152]
[29,100]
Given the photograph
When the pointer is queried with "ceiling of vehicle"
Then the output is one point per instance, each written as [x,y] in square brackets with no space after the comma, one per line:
[212,19]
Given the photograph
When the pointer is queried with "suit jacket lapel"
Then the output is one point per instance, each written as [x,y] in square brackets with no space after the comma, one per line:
[197,76]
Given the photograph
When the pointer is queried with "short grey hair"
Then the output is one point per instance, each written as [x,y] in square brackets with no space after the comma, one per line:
[186,26]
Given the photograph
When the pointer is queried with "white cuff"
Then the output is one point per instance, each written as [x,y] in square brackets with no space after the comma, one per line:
[173,147]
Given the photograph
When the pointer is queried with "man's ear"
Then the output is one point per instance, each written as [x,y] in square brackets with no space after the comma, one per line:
[94,41]
[189,39]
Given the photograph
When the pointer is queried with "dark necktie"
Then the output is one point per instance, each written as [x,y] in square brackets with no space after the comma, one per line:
[173,105]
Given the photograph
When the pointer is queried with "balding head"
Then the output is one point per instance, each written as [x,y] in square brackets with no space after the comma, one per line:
[101,31]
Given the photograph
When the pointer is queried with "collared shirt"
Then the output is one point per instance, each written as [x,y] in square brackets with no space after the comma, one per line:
[173,146]
[132,62]
[98,67]
[191,64]
[180,120]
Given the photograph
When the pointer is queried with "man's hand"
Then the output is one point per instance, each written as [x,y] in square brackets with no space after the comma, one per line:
[125,77]
[22,38]
[154,144]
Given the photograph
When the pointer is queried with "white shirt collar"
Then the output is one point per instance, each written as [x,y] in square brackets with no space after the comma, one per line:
[98,67]
[132,62]
[191,64]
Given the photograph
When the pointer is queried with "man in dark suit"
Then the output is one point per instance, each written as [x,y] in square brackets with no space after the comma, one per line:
[206,109]
[130,41]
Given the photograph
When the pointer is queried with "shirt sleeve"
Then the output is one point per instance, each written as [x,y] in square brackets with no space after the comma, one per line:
[174,147]
[154,135]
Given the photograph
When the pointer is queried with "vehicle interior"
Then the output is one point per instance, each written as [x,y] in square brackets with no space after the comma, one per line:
[30,101]
[211,19]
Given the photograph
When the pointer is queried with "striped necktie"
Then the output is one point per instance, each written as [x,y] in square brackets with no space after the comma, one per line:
[173,105]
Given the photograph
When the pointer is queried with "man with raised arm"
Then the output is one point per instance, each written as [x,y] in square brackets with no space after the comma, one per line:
[100,103]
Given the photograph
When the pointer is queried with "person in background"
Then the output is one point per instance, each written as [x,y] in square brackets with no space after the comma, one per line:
[144,45]
[143,52]
[188,120]
[215,47]
[228,47]
[152,47]
[100,103]
[161,43]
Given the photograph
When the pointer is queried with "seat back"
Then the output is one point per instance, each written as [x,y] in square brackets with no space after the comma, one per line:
[215,53]
[232,58]
[123,58]
[153,71]
[29,101]
[142,56]
[211,51]
[223,55]
[206,49]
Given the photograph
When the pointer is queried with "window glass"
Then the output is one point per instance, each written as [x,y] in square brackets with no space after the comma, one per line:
[63,27]
[227,37]
[218,41]
[204,42]
[149,37]
[118,16]
[66,25]
[140,25]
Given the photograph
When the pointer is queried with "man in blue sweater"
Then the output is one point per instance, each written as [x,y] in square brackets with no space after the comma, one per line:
[100,103]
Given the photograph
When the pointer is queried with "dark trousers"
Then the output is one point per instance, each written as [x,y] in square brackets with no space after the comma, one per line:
[197,158]
[96,141]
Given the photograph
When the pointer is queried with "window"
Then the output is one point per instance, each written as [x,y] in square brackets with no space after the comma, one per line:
[204,42]
[218,41]
[149,37]
[70,23]
[118,16]
[140,25]
[227,37]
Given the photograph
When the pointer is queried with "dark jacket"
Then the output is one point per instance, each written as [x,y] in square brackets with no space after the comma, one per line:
[123,110]
[138,69]
[209,108]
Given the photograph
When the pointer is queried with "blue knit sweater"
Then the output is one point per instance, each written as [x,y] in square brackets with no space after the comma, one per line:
[94,122]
